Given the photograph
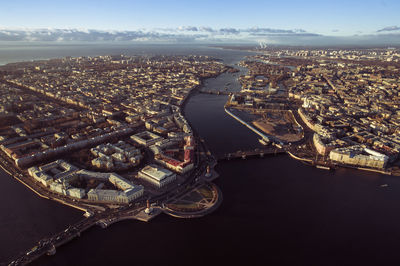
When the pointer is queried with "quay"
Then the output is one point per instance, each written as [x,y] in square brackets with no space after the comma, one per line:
[262,135]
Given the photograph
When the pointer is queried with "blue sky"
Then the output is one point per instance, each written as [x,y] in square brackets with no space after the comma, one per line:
[335,17]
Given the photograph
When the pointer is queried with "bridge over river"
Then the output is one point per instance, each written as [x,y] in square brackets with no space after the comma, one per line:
[214,92]
[48,245]
[272,150]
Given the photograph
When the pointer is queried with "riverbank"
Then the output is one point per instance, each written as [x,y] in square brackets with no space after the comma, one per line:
[19,178]
[263,136]
[312,162]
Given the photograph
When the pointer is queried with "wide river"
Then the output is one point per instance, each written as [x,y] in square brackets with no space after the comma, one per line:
[276,211]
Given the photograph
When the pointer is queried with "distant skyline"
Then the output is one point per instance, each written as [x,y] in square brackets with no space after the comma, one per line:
[206,19]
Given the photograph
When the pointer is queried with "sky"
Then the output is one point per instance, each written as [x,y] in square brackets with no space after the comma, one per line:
[323,17]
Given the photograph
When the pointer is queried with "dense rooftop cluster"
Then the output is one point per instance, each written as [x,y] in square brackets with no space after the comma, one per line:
[107,83]
[351,105]
[106,113]
[389,55]
[358,104]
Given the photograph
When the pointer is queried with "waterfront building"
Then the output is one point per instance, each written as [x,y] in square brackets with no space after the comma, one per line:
[47,173]
[157,175]
[115,196]
[40,176]
[59,175]
[76,193]
[324,145]
[67,190]
[58,188]
[128,192]
[358,155]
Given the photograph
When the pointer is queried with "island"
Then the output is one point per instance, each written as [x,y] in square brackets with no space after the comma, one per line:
[107,135]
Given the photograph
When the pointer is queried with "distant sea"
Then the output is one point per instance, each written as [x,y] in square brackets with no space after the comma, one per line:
[276,211]
[27,51]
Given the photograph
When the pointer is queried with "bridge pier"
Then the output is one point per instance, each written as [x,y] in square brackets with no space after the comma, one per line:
[51,251]
[102,224]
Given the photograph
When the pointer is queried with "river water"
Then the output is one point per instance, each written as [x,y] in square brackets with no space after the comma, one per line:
[276,211]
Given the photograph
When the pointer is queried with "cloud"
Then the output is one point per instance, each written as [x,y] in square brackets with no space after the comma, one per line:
[273,31]
[187,28]
[83,35]
[285,34]
[229,31]
[390,28]
[206,29]
[185,34]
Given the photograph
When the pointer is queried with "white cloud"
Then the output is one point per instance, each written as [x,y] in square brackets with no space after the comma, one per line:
[202,34]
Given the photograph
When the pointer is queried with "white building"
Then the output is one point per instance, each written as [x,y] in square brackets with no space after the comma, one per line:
[76,192]
[157,175]
[116,196]
[59,174]
[359,156]
[129,191]
[40,176]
